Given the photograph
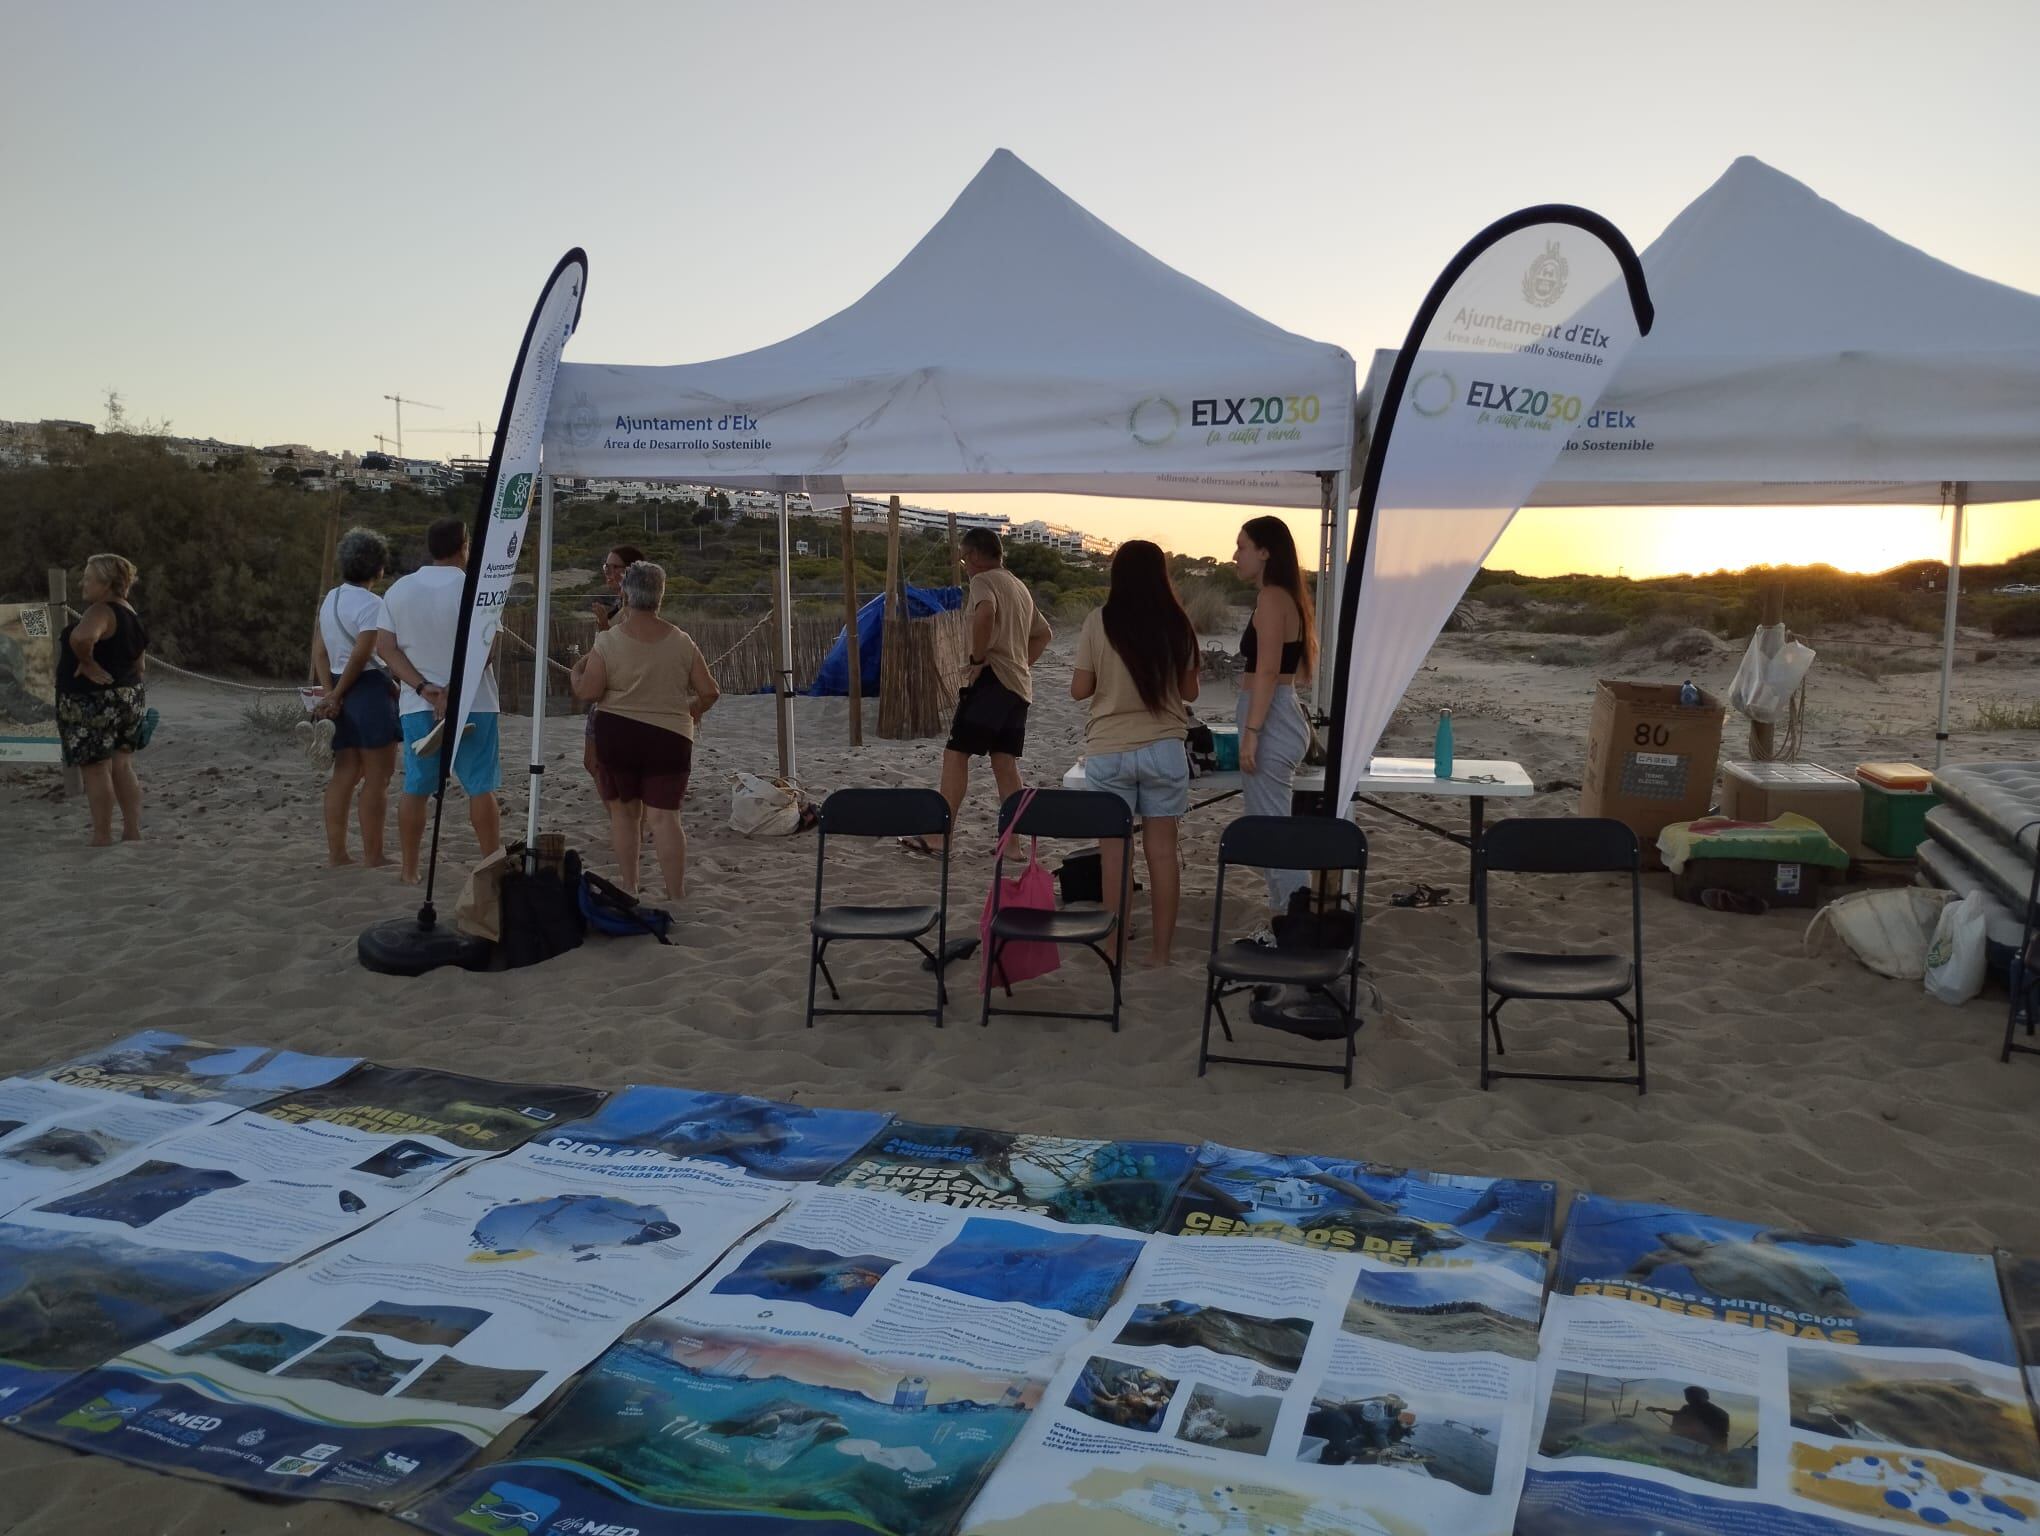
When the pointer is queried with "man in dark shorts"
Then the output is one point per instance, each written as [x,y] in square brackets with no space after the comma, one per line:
[1007,636]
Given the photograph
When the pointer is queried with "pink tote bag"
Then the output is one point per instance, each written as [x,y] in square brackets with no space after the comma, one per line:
[1033,887]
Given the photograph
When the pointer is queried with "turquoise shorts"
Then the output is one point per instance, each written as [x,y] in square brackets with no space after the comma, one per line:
[477,761]
[1153,780]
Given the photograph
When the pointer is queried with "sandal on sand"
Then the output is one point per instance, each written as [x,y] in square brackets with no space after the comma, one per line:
[920,848]
[1734,901]
[1420,895]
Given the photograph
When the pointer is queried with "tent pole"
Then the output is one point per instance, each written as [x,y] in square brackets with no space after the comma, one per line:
[1326,583]
[855,700]
[541,643]
[782,599]
[1958,492]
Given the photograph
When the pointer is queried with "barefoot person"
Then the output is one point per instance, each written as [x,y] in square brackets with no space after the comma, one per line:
[1007,636]
[1137,665]
[361,698]
[423,611]
[1279,647]
[650,686]
[101,701]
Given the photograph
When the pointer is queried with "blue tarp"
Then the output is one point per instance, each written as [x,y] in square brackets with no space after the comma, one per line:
[833,680]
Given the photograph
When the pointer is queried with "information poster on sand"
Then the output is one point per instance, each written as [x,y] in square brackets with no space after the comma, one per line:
[162,1232]
[759,1137]
[372,1370]
[1110,1183]
[857,1366]
[2019,1279]
[1284,1390]
[1398,1215]
[53,1135]
[1704,1377]
[156,1064]
[28,684]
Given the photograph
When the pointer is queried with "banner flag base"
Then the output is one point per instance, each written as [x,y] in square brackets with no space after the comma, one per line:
[402,946]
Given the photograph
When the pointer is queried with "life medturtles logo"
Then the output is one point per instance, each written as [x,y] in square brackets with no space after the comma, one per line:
[1154,421]
[1544,282]
[516,497]
[1432,393]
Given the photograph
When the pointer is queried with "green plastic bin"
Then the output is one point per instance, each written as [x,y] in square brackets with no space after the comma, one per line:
[1895,820]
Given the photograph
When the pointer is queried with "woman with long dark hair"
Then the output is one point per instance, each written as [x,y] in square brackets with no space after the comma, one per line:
[1279,647]
[1137,664]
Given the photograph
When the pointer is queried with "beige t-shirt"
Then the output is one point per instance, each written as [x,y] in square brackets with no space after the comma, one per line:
[649,680]
[1120,720]
[1012,623]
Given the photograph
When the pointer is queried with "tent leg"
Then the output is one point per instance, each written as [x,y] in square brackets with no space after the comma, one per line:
[541,636]
[1326,596]
[1959,493]
[783,681]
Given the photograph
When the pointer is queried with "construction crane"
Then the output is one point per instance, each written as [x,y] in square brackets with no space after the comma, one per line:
[401,402]
[383,444]
[482,435]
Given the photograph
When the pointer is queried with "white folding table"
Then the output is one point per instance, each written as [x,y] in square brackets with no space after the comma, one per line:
[1476,781]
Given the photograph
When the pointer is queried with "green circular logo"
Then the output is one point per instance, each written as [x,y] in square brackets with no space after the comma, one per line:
[1154,421]
[1432,392]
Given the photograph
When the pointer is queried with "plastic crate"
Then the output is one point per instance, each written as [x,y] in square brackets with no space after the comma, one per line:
[1895,820]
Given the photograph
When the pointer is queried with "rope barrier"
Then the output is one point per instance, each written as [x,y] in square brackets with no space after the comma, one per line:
[218,682]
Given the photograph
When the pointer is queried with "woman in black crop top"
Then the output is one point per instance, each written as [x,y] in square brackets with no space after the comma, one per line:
[102,658]
[1280,646]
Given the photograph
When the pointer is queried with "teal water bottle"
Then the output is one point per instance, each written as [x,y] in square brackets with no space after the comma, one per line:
[1441,748]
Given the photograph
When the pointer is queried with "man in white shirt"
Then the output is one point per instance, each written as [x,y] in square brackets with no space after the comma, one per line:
[423,615]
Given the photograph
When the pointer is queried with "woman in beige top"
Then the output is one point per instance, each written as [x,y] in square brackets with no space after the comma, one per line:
[650,687]
[1137,664]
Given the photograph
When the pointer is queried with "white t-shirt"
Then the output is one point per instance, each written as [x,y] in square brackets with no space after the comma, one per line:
[422,610]
[345,612]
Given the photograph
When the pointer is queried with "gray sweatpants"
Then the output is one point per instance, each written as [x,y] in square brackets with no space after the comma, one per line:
[1284,738]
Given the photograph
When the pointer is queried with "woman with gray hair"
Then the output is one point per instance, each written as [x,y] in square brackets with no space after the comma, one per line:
[361,698]
[650,687]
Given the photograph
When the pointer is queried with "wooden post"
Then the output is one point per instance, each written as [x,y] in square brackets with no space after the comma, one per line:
[60,600]
[892,658]
[856,698]
[949,575]
[1763,738]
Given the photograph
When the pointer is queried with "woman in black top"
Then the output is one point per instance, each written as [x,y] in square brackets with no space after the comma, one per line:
[101,659]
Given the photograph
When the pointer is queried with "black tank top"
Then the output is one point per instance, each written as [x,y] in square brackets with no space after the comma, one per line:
[117,653]
[1250,651]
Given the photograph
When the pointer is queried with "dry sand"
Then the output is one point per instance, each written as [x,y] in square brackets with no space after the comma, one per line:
[1784,1089]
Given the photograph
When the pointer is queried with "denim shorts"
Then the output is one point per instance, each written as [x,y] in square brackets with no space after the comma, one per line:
[1153,780]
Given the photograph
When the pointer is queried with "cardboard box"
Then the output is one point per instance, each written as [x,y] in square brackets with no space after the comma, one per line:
[1766,791]
[1650,759]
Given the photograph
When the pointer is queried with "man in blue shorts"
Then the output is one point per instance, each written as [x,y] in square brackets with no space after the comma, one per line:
[423,612]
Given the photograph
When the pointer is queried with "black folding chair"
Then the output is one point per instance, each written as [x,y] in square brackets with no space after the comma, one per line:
[1060,813]
[2025,974]
[1287,842]
[1560,845]
[878,813]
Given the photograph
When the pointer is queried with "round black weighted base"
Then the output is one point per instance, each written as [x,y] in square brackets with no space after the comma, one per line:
[400,947]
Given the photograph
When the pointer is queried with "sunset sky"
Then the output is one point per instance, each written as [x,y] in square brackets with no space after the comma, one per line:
[257,220]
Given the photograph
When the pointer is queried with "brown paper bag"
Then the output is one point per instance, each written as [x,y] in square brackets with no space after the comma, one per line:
[479,912]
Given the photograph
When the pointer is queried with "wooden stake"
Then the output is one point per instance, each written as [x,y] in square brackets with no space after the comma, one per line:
[60,600]
[949,574]
[327,561]
[856,699]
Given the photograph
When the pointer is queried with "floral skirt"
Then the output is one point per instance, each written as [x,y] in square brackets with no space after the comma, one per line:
[93,726]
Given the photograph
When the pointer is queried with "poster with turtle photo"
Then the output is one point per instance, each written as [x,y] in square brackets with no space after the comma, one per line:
[1288,1390]
[1402,1215]
[1112,1183]
[28,684]
[380,1365]
[1703,1377]
[131,1229]
[857,1366]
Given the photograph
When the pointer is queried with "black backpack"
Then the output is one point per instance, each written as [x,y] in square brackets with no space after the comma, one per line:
[541,913]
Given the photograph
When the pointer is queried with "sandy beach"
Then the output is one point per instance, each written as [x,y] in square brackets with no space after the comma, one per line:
[1786,1089]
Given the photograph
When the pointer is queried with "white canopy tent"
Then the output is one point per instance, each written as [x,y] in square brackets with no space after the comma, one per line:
[1801,356]
[1022,345]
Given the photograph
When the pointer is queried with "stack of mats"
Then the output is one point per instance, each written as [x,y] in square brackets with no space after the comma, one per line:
[1982,837]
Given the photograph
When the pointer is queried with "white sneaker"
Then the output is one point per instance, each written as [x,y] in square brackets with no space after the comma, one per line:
[1265,937]
[316,737]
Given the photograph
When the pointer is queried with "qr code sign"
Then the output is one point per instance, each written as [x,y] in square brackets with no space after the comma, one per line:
[35,623]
